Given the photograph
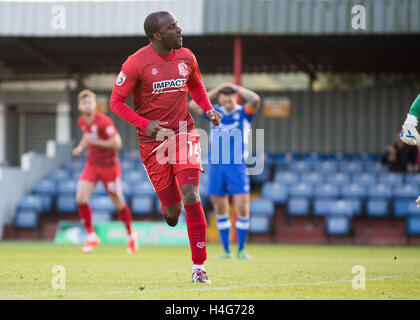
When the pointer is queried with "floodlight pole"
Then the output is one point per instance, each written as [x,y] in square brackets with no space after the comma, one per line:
[237,61]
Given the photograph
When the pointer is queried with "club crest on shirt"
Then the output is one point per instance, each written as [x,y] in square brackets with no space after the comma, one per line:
[183,69]
[154,71]
[121,78]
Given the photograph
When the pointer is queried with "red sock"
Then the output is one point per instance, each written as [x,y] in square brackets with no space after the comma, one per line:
[85,213]
[197,230]
[125,216]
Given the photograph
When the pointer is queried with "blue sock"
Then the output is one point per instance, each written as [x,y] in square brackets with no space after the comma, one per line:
[223,224]
[242,226]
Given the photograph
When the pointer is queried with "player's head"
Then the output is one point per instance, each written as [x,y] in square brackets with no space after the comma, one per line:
[87,102]
[163,27]
[227,98]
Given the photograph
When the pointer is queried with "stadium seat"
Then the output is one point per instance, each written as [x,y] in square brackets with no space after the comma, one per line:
[338,157]
[413,179]
[127,191]
[102,208]
[341,207]
[363,157]
[326,191]
[59,175]
[413,209]
[262,206]
[356,204]
[142,188]
[326,167]
[100,216]
[379,191]
[353,191]
[259,223]
[67,187]
[285,158]
[142,204]
[133,176]
[337,225]
[322,206]
[375,167]
[76,174]
[366,179]
[377,208]
[274,191]
[351,167]
[46,189]
[301,190]
[313,178]
[413,225]
[26,218]
[406,191]
[66,203]
[391,178]
[298,207]
[269,159]
[127,164]
[75,164]
[99,190]
[30,202]
[262,177]
[286,178]
[312,157]
[300,167]
[338,178]
[400,208]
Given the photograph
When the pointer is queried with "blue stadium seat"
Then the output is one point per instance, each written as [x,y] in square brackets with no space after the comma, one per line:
[363,157]
[406,191]
[366,179]
[269,159]
[99,190]
[133,176]
[259,223]
[100,216]
[391,178]
[59,175]
[66,203]
[353,191]
[262,206]
[338,157]
[375,167]
[67,187]
[351,167]
[326,167]
[326,191]
[130,154]
[313,157]
[377,208]
[286,158]
[298,207]
[262,177]
[142,188]
[313,178]
[76,174]
[142,204]
[127,191]
[302,190]
[75,164]
[413,179]
[413,225]
[380,191]
[322,206]
[338,178]
[26,218]
[30,202]
[102,208]
[400,208]
[274,191]
[46,189]
[300,167]
[337,225]
[413,209]
[127,164]
[356,204]
[286,178]
[341,207]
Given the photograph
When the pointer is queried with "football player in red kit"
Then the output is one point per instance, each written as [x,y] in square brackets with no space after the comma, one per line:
[159,77]
[102,140]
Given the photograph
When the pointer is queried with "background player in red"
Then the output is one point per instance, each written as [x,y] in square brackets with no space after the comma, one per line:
[159,76]
[103,140]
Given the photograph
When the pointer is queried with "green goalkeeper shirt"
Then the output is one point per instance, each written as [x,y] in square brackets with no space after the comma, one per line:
[415,107]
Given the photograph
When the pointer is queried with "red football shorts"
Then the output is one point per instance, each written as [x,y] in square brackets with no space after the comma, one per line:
[163,160]
[110,177]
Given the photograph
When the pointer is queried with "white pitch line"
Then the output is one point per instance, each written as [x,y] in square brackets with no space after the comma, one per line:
[207,288]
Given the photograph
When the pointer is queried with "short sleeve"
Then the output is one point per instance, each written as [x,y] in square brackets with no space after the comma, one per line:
[127,78]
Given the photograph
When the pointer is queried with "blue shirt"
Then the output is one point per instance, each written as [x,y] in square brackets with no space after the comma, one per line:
[229,141]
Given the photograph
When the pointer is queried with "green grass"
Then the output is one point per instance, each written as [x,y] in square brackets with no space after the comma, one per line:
[274,272]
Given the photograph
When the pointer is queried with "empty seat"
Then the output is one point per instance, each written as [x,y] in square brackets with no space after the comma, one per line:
[300,167]
[326,167]
[274,191]
[133,176]
[338,157]
[142,188]
[363,157]
[67,187]
[341,207]
[312,157]
[286,158]
[66,203]
[30,202]
[377,208]
[99,190]
[413,179]
[326,190]
[313,178]
[375,167]
[142,204]
[353,191]
[322,206]
[413,225]
[259,223]
[400,208]
[380,191]
[265,175]
[366,178]
[337,225]
[351,167]
[101,203]
[262,206]
[26,218]
[406,191]
[286,178]
[298,207]
[391,178]
[59,175]
[46,190]
[301,190]
[338,178]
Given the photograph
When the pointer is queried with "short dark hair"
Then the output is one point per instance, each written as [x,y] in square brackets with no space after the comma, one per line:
[151,24]
[227,91]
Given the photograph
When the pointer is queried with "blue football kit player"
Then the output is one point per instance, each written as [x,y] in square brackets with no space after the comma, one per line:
[227,168]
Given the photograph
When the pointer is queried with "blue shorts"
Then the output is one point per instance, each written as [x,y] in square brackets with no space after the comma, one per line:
[227,179]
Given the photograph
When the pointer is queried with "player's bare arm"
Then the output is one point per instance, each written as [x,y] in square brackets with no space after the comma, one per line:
[114,143]
[77,151]
[154,127]
[252,99]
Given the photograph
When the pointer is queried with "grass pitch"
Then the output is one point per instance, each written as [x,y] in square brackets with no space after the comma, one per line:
[274,272]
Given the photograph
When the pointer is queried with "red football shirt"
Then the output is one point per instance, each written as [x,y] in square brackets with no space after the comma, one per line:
[159,86]
[101,127]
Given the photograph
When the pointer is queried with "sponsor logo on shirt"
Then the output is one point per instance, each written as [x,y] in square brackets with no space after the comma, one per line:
[121,78]
[183,69]
[166,86]
[110,130]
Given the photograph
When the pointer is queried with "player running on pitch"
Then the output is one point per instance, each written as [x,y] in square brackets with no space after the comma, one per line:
[102,140]
[159,76]
[230,178]
[409,134]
